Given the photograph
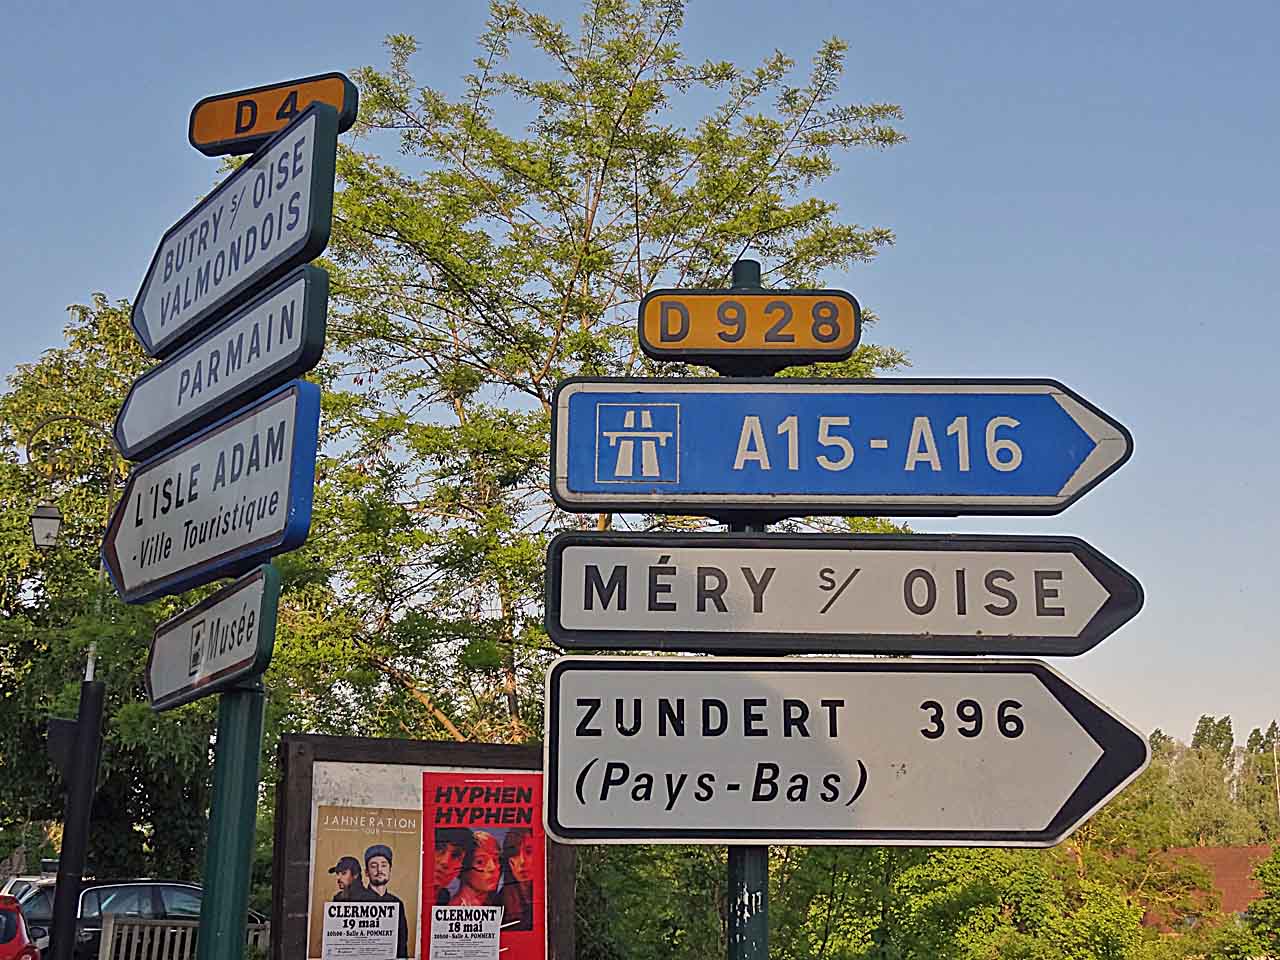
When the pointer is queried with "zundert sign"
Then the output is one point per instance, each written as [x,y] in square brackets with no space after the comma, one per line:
[724,750]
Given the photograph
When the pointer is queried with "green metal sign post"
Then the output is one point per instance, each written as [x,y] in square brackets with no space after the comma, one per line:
[232,821]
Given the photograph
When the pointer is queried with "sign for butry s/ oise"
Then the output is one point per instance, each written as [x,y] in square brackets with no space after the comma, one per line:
[749,328]
[271,215]
[219,642]
[823,593]
[230,497]
[790,447]
[272,339]
[243,120]
[911,752]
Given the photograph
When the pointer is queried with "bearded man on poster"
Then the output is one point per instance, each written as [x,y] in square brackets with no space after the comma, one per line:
[377,871]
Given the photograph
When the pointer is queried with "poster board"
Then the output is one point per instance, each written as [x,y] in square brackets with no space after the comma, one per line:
[355,867]
[485,850]
[347,837]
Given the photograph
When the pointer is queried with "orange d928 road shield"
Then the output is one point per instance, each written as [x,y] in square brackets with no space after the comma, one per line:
[747,328]
[243,120]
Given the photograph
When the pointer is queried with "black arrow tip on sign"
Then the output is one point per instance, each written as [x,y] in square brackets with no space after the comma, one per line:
[1125,754]
[1124,594]
[138,321]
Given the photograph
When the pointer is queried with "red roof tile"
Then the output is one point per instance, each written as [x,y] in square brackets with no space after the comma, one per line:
[1232,869]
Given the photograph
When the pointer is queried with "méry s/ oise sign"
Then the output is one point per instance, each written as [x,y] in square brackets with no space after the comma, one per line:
[812,750]
[243,120]
[271,215]
[822,593]
[792,447]
[223,501]
[270,340]
[218,642]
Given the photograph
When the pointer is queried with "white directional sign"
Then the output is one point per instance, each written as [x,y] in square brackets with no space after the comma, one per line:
[811,751]
[814,593]
[220,503]
[268,217]
[277,336]
[218,642]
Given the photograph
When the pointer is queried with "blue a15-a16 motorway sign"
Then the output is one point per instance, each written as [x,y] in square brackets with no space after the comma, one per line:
[224,501]
[791,447]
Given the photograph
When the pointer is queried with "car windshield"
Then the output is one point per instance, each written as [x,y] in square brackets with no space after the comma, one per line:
[8,925]
[37,905]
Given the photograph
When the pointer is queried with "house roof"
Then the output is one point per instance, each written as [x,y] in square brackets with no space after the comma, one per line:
[1232,869]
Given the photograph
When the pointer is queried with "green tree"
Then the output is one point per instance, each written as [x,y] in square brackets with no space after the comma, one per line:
[1209,812]
[1161,743]
[650,903]
[1213,733]
[1256,783]
[154,769]
[505,250]
[1263,916]
[1103,926]
[541,208]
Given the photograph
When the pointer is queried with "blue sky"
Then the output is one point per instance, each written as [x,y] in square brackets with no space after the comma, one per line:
[1089,194]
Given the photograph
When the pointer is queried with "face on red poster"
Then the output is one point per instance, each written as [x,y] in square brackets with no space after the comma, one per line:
[484,847]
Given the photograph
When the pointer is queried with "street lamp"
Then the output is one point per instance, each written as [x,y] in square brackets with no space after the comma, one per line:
[46,521]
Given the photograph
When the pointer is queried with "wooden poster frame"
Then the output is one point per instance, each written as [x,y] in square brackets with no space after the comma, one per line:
[291,861]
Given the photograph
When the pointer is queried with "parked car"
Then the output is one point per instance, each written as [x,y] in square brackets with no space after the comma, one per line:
[147,899]
[16,942]
[15,886]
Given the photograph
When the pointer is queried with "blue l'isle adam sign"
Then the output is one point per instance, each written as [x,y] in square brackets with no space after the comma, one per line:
[919,447]
[229,498]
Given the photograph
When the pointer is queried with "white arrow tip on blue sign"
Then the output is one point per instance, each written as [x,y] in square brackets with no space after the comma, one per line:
[1112,444]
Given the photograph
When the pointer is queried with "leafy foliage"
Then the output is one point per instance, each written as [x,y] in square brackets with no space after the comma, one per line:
[154,768]
[1264,914]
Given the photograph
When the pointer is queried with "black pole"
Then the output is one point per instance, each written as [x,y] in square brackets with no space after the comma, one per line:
[748,908]
[748,903]
[82,783]
[746,273]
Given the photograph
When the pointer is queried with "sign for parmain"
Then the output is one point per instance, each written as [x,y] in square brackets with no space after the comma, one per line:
[270,340]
